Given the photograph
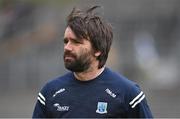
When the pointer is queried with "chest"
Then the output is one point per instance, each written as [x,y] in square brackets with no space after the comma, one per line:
[85,101]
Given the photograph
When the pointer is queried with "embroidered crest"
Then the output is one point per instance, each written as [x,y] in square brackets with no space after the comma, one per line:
[101,107]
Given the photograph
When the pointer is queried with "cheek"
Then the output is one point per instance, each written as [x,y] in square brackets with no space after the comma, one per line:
[87,52]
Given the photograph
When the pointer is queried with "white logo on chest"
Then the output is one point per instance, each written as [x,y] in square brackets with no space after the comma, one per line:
[108,91]
[61,108]
[59,91]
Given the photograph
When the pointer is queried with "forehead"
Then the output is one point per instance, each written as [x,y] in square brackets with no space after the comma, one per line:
[69,33]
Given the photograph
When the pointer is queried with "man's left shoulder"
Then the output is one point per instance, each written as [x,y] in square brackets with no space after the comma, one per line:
[123,84]
[120,80]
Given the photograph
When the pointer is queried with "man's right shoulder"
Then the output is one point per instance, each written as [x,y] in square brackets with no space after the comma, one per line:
[59,81]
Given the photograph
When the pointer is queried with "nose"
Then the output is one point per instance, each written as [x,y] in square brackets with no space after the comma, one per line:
[68,47]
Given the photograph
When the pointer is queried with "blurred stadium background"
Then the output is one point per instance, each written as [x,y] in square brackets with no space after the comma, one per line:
[146,49]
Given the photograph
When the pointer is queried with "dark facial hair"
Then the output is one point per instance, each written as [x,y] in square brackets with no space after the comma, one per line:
[78,64]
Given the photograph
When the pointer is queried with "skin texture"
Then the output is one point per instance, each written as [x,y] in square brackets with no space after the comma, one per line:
[80,57]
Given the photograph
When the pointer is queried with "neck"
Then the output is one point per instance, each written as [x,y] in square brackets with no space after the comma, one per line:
[89,74]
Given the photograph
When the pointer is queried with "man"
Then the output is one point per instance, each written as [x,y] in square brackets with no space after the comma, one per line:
[90,90]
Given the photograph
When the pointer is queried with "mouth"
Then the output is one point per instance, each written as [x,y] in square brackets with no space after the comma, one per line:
[68,58]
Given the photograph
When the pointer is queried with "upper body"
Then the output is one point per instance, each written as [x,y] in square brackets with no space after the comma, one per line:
[90,90]
[109,95]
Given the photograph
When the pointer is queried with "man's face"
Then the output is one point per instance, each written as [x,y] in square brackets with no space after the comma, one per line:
[78,54]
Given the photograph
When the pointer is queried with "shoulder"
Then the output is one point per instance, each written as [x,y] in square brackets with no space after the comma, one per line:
[129,88]
[116,79]
[56,83]
[60,80]
[132,96]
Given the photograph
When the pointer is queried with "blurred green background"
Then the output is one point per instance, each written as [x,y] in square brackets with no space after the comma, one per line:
[146,49]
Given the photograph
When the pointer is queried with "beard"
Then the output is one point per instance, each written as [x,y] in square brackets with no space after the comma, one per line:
[78,64]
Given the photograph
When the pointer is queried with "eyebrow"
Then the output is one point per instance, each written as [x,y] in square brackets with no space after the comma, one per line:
[65,38]
[74,39]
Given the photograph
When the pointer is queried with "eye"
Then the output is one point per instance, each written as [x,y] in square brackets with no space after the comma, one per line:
[77,41]
[65,41]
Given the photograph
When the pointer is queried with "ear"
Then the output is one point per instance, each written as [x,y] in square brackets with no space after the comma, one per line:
[97,53]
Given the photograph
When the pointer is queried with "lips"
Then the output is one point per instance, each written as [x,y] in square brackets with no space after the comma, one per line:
[68,56]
